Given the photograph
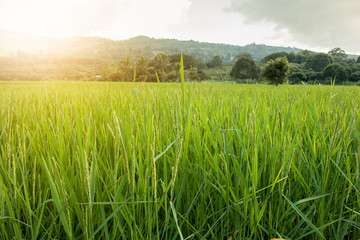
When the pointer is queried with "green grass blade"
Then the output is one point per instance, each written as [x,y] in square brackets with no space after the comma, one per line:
[302,215]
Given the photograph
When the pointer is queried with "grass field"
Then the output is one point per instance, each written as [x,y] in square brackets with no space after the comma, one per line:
[157,161]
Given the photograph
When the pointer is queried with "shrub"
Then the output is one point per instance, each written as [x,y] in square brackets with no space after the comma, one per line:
[276,71]
[297,77]
[355,76]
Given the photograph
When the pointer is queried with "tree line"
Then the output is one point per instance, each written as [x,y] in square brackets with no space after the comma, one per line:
[163,68]
[304,66]
[295,67]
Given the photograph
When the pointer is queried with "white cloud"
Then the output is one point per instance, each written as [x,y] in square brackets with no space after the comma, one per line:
[322,23]
[149,17]
[314,24]
[80,17]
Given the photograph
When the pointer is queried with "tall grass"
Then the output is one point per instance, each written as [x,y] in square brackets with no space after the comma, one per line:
[171,161]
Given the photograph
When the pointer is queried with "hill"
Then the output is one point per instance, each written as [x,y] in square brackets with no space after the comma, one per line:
[13,44]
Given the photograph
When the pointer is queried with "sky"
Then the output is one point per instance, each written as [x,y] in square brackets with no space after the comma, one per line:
[318,25]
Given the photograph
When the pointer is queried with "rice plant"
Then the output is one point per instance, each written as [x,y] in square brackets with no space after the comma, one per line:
[88,160]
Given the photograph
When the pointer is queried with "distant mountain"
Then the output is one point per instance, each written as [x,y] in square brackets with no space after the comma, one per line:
[12,44]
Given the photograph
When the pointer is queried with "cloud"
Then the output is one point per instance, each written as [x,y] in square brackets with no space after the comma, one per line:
[148,17]
[209,21]
[117,18]
[319,23]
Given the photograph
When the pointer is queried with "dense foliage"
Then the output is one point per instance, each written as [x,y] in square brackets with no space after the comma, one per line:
[161,68]
[244,68]
[276,71]
[338,53]
[318,61]
[310,67]
[216,62]
[147,59]
[95,47]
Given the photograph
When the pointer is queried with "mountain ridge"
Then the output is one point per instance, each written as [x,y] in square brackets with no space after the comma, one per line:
[11,43]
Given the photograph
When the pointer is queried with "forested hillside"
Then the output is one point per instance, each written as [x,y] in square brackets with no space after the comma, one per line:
[26,57]
[12,44]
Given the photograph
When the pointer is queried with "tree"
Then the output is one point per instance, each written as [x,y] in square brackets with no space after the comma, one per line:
[244,68]
[297,77]
[330,71]
[127,69]
[292,57]
[355,76]
[161,62]
[275,55]
[348,72]
[189,61]
[193,74]
[202,75]
[358,59]
[115,77]
[162,66]
[313,76]
[318,61]
[243,54]
[277,70]
[342,74]
[216,62]
[338,52]
[303,55]
[142,69]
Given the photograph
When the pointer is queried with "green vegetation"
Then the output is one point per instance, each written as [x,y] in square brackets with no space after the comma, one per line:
[318,61]
[344,71]
[97,59]
[277,70]
[244,68]
[105,160]
[166,67]
[338,53]
[309,67]
[95,47]
[216,62]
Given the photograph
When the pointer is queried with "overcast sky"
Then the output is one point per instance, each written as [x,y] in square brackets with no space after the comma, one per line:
[313,24]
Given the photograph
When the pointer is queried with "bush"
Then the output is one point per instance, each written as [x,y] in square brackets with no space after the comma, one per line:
[277,70]
[297,77]
[202,75]
[313,76]
[115,77]
[244,68]
[342,74]
[355,76]
[330,71]
[318,62]
[216,62]
[172,76]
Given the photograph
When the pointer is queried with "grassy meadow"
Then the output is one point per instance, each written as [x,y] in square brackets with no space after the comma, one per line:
[91,160]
